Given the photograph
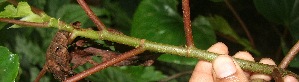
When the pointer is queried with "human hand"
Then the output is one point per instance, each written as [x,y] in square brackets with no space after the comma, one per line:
[224,69]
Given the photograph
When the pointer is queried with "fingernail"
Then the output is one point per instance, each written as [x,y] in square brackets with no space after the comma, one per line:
[290,79]
[224,66]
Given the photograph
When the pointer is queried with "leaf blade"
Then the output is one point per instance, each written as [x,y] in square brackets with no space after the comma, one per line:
[9,65]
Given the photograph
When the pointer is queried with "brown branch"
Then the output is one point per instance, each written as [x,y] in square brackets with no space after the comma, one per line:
[231,8]
[175,76]
[106,64]
[187,23]
[290,56]
[91,15]
[23,23]
[41,74]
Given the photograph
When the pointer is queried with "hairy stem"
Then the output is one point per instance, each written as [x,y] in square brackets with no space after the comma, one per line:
[290,56]
[187,23]
[164,48]
[91,15]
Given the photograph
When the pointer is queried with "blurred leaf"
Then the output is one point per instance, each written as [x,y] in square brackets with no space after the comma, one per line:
[77,14]
[203,33]
[30,52]
[9,65]
[54,5]
[2,1]
[220,25]
[284,12]
[294,62]
[278,11]
[40,4]
[22,10]
[2,25]
[158,20]
[120,17]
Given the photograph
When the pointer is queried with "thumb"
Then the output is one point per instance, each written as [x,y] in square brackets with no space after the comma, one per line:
[227,71]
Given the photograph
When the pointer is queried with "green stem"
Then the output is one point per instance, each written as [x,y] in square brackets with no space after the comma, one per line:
[181,51]
[164,48]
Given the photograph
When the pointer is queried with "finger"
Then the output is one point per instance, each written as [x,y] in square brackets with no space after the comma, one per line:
[246,56]
[203,69]
[263,76]
[219,48]
[227,70]
[290,79]
[202,72]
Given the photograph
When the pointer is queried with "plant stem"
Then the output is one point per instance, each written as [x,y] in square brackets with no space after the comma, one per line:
[163,48]
[105,64]
[91,15]
[187,23]
[24,23]
[290,56]
[181,51]
[231,8]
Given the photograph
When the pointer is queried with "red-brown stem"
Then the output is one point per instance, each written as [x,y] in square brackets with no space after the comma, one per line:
[23,23]
[41,74]
[91,15]
[231,8]
[290,56]
[187,23]
[105,64]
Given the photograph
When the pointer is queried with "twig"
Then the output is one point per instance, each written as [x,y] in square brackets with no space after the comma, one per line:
[24,23]
[290,56]
[187,23]
[231,8]
[91,15]
[163,48]
[41,74]
[106,64]
[175,76]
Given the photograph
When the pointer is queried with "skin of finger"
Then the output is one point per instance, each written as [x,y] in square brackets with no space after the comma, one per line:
[263,76]
[233,70]
[203,69]
[246,56]
[290,79]
[202,72]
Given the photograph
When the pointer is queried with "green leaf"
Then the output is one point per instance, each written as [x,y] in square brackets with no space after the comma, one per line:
[54,5]
[2,1]
[294,62]
[31,51]
[159,21]
[78,14]
[22,10]
[2,25]
[9,65]
[220,25]
[284,12]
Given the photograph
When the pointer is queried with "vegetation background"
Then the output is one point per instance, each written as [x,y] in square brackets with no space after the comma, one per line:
[273,24]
